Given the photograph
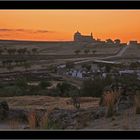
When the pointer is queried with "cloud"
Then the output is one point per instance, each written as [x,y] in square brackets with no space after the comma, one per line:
[21,30]
[42,31]
[6,30]
[11,30]
[25,30]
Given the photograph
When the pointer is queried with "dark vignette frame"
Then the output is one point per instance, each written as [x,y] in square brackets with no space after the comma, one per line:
[95,4]
[132,5]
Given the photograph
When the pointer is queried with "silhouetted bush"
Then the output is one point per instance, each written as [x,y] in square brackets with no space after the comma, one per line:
[44,84]
[95,87]
[64,89]
[9,91]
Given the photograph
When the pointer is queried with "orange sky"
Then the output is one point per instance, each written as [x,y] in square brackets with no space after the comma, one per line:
[62,24]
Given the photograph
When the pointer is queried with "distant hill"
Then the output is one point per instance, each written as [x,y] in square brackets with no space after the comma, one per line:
[32,41]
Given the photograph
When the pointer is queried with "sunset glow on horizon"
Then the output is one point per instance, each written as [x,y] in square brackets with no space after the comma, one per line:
[60,25]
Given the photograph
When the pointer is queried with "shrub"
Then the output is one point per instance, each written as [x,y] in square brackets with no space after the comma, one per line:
[34,50]
[64,88]
[137,103]
[32,119]
[87,66]
[92,88]
[69,64]
[95,87]
[34,90]
[46,123]
[8,91]
[21,83]
[110,100]
[93,51]
[52,125]
[44,84]
[14,124]
[86,51]
[77,51]
[130,81]
[74,94]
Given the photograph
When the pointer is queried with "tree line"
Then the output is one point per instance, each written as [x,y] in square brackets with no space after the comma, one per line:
[21,51]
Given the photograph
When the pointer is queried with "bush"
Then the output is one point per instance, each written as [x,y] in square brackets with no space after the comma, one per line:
[69,64]
[4,109]
[10,91]
[77,51]
[95,87]
[110,101]
[86,51]
[64,88]
[33,90]
[92,88]
[52,125]
[21,83]
[87,66]
[137,103]
[44,84]
[74,94]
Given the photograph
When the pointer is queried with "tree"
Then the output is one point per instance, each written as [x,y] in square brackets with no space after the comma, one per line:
[21,83]
[86,51]
[93,51]
[87,66]
[10,68]
[22,51]
[4,63]
[9,51]
[13,51]
[28,52]
[8,64]
[34,50]
[98,39]
[26,65]
[1,51]
[108,68]
[92,87]
[77,52]
[110,41]
[134,65]
[117,41]
[52,68]
[69,64]
[64,88]
[18,62]
[74,94]
[100,66]
[130,82]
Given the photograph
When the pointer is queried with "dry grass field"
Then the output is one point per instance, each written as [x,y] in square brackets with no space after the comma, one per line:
[132,52]
[47,102]
[128,120]
[58,48]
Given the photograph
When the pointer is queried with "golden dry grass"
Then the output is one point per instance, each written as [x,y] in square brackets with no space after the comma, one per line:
[47,102]
[32,119]
[14,124]
[44,121]
[126,120]
[110,99]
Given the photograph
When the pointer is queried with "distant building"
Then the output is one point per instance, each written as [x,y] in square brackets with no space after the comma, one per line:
[83,38]
[123,44]
[133,43]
